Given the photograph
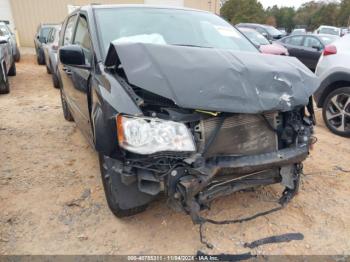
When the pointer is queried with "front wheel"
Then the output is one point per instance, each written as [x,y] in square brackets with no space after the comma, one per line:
[40,58]
[336,111]
[12,71]
[18,55]
[4,82]
[55,80]
[48,67]
[66,112]
[123,200]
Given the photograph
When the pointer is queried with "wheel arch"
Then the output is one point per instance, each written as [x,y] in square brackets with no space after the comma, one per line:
[102,125]
[331,83]
[107,98]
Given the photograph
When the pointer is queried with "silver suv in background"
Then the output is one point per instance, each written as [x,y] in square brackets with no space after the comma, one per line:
[333,95]
[7,63]
[11,38]
[40,39]
[50,53]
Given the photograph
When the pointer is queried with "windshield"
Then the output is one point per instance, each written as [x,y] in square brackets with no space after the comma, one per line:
[272,31]
[329,30]
[255,37]
[44,32]
[168,26]
[329,39]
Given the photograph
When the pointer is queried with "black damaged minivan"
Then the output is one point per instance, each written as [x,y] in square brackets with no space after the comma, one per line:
[177,101]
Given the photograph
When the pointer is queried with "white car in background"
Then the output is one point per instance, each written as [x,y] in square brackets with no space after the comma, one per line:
[299,31]
[11,38]
[328,30]
[344,31]
[333,95]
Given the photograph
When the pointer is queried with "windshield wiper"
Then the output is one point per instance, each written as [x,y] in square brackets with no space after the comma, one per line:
[192,45]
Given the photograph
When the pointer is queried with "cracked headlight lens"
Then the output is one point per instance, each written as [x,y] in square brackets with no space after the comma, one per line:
[146,135]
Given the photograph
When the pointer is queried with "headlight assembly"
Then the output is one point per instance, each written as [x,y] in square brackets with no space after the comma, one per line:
[146,135]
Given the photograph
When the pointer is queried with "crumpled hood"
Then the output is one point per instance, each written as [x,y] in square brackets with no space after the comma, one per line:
[215,79]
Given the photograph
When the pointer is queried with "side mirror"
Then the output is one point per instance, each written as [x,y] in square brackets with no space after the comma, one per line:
[265,35]
[73,55]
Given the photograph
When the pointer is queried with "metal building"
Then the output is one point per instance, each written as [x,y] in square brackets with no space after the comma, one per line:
[28,14]
[5,12]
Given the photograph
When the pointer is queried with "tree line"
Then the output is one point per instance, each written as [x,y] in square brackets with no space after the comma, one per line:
[310,15]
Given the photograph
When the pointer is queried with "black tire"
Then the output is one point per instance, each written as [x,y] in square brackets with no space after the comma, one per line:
[66,112]
[4,82]
[48,70]
[12,71]
[40,57]
[123,200]
[336,111]
[55,80]
[17,57]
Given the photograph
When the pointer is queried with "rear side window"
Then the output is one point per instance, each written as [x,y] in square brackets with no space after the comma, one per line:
[44,32]
[294,40]
[312,42]
[68,33]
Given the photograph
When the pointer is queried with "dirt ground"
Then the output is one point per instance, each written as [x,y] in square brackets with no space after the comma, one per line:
[52,200]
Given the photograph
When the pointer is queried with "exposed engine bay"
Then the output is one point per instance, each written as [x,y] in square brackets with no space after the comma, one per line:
[233,152]
[223,151]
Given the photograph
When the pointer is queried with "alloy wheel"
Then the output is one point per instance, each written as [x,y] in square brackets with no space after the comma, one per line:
[338,112]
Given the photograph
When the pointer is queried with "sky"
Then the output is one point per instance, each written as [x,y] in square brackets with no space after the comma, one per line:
[289,3]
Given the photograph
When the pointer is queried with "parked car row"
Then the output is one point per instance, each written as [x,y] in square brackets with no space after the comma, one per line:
[325,52]
[9,54]
[188,106]
[262,43]
[306,47]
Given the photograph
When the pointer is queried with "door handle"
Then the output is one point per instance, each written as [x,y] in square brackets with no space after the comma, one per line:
[67,71]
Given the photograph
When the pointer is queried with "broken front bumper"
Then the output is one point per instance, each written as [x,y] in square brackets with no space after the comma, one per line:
[253,163]
[194,188]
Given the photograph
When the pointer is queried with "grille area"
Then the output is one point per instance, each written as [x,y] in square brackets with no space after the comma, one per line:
[240,134]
